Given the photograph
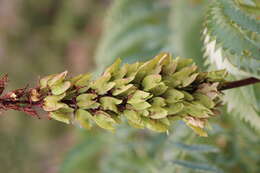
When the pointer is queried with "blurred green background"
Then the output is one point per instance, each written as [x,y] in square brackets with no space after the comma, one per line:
[40,37]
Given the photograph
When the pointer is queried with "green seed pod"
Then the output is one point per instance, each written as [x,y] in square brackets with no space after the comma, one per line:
[150,94]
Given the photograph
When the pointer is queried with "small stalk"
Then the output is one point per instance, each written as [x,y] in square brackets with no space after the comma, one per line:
[239,83]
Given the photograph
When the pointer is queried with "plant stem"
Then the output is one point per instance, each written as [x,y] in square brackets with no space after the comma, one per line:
[239,83]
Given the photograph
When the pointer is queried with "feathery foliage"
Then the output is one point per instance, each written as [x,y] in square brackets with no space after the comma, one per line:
[185,36]
[155,94]
[132,150]
[134,31]
[232,41]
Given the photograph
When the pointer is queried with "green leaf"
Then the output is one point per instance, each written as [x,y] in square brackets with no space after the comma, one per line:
[231,39]
[243,103]
[83,153]
[197,166]
[139,29]
[197,148]
[184,39]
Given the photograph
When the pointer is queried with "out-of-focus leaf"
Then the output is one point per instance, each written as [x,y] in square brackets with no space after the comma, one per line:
[134,30]
[197,166]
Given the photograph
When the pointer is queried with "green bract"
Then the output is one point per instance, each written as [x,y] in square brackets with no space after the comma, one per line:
[150,94]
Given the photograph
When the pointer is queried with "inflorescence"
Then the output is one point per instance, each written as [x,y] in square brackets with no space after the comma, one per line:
[151,94]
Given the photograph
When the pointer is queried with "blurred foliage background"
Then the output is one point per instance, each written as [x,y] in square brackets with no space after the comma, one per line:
[48,36]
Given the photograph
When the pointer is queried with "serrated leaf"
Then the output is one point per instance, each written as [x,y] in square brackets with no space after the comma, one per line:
[245,108]
[232,42]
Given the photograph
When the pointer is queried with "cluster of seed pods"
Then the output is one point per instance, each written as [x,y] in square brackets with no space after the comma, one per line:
[151,94]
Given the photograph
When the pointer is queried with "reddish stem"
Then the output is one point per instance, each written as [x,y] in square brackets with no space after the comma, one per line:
[239,83]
